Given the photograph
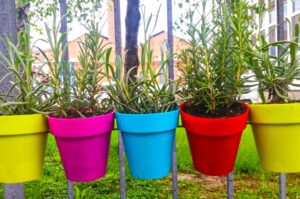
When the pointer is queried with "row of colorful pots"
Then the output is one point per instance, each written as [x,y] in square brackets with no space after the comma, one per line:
[148,139]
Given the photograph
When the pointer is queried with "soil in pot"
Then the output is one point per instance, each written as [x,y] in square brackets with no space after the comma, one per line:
[221,111]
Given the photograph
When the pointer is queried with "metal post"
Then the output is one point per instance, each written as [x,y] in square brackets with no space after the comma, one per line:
[122,168]
[70,190]
[118,46]
[171,77]
[230,185]
[13,191]
[280,22]
[174,172]
[282,185]
[8,28]
[64,30]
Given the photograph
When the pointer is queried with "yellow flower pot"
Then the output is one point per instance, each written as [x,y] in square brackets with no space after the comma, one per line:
[276,129]
[22,147]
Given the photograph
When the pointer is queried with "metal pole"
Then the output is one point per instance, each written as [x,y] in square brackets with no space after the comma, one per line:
[280,22]
[122,168]
[171,77]
[280,36]
[8,28]
[118,46]
[282,185]
[70,190]
[13,191]
[230,185]
[64,30]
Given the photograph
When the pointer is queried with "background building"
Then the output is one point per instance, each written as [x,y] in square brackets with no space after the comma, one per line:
[269,22]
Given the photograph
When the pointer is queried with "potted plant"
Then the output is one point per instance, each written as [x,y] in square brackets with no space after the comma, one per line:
[276,121]
[146,113]
[81,119]
[212,67]
[23,124]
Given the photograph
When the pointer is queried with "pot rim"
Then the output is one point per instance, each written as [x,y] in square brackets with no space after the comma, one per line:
[217,118]
[15,125]
[81,118]
[287,113]
[148,114]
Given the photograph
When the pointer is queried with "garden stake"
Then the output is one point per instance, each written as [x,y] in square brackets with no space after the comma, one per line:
[70,190]
[282,185]
[230,184]
[171,77]
[14,191]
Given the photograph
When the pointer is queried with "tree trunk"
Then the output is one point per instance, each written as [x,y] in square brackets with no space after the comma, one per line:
[132,23]
[7,27]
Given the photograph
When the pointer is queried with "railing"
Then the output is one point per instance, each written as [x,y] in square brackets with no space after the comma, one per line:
[16,191]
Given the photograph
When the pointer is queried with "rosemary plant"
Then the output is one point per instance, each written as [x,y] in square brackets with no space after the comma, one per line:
[144,94]
[26,94]
[216,58]
[77,93]
[276,73]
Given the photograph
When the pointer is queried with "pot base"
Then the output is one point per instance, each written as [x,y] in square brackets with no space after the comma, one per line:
[22,157]
[214,156]
[278,147]
[150,154]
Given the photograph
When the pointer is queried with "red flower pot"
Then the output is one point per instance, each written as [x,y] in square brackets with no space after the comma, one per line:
[214,142]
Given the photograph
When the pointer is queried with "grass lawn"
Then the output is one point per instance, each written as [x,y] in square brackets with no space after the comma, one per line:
[250,180]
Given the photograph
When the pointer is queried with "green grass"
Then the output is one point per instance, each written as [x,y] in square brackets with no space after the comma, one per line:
[250,180]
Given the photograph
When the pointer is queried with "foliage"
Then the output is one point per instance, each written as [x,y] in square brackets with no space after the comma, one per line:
[84,96]
[217,56]
[276,73]
[26,93]
[144,94]
[77,9]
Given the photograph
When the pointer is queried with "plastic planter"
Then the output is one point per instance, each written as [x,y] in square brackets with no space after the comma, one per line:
[22,147]
[214,142]
[276,129]
[148,141]
[83,144]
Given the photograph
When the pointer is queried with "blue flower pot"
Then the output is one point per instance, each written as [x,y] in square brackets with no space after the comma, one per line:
[148,141]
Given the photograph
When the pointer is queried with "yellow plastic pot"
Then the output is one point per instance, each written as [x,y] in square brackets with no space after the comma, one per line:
[22,147]
[276,129]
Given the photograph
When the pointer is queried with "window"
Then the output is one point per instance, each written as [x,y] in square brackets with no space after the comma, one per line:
[272,38]
[272,16]
[285,10]
[296,5]
[272,34]
[295,20]
[164,44]
[271,4]
[285,28]
[72,71]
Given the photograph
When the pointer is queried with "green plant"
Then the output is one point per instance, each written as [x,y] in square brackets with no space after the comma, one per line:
[25,94]
[144,94]
[276,73]
[77,93]
[217,57]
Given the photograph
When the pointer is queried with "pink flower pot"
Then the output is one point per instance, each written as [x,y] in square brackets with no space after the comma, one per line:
[83,144]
